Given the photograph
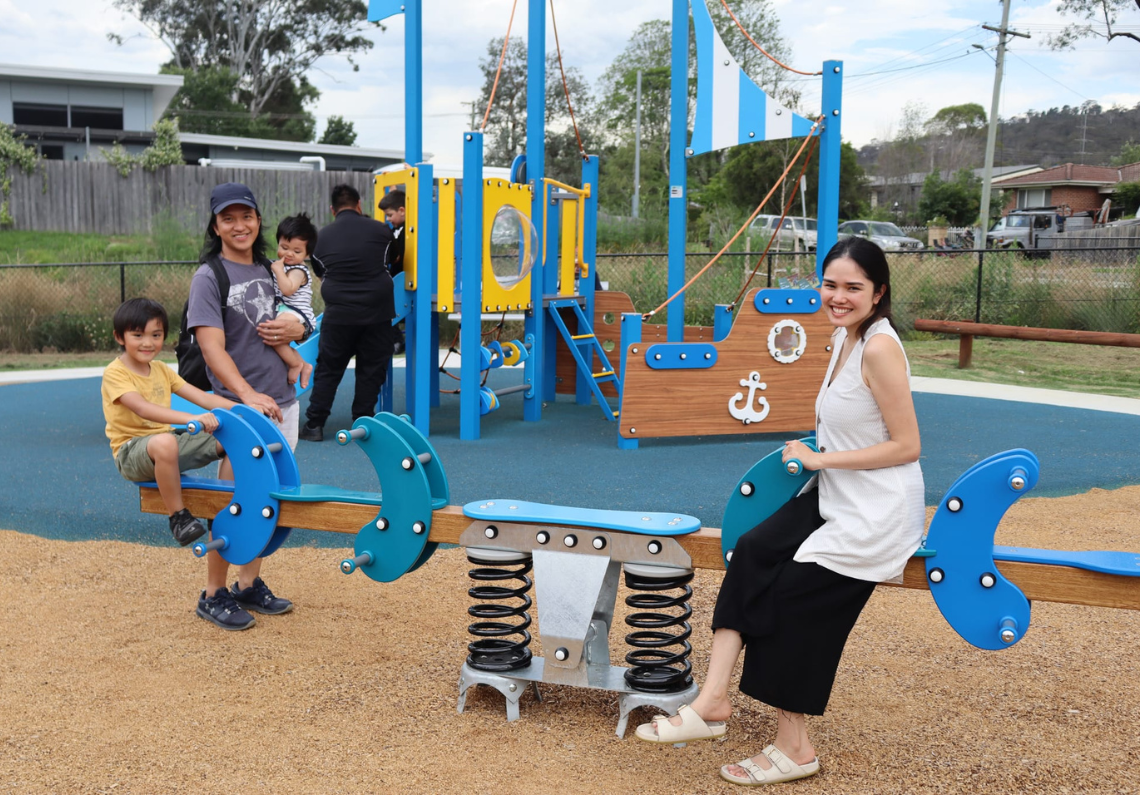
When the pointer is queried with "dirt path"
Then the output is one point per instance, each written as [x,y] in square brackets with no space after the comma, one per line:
[111,684]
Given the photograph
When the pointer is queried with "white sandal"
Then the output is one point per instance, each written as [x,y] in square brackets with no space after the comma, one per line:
[692,727]
[783,769]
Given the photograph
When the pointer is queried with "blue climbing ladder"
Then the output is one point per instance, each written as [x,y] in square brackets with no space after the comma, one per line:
[581,343]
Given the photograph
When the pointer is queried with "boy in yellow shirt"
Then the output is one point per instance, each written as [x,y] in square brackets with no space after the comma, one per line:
[136,404]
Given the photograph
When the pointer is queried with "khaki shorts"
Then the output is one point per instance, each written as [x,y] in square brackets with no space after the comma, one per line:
[196,451]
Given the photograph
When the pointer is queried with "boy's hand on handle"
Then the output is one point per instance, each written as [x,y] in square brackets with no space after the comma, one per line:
[265,404]
[804,454]
[207,422]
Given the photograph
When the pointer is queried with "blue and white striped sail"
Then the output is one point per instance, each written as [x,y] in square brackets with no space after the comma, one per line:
[731,109]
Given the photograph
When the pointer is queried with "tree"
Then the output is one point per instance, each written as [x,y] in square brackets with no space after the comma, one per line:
[957,200]
[956,136]
[1129,153]
[1127,197]
[902,158]
[505,133]
[339,132]
[1098,19]
[269,46]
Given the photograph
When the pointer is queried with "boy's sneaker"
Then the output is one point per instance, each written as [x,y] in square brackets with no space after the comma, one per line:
[258,597]
[185,528]
[222,610]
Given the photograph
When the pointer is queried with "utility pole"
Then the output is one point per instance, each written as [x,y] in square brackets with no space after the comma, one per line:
[637,151]
[472,104]
[991,134]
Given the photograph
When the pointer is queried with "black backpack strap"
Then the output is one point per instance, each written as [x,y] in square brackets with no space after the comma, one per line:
[223,280]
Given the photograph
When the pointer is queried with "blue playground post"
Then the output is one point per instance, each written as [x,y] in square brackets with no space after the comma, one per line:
[471,307]
[420,356]
[549,279]
[536,323]
[830,151]
[630,335]
[678,179]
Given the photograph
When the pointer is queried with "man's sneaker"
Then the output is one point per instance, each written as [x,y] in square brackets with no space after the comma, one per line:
[311,433]
[222,610]
[185,528]
[258,597]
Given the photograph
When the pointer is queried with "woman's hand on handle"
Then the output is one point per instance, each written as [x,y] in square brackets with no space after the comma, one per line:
[804,454]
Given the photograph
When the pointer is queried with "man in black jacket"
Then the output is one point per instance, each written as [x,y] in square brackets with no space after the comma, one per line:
[359,308]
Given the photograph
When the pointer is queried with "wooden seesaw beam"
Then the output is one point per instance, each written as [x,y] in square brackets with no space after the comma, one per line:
[1039,582]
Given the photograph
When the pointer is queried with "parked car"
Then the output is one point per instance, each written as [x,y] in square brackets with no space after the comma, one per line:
[795,234]
[884,234]
[1034,229]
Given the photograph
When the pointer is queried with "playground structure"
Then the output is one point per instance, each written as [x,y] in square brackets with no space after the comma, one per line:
[578,556]
[724,382]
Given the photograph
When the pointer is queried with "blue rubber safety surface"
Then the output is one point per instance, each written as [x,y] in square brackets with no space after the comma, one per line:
[59,480]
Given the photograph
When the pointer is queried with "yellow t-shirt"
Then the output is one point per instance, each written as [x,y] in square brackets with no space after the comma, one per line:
[122,423]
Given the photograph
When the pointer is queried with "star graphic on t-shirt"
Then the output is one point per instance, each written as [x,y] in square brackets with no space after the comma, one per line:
[263,303]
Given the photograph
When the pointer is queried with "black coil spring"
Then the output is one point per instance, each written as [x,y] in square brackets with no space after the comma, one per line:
[656,667]
[495,650]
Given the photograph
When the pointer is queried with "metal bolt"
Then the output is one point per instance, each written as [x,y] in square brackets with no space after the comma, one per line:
[561,654]
[267,512]
[256,452]
[633,430]
[728,556]
[1017,483]
[836,70]
[381,523]
[491,531]
[751,134]
[747,489]
[543,537]
[654,547]
[684,356]
[599,542]
[767,301]
[418,528]
[408,463]
[988,580]
[835,112]
[936,575]
[656,357]
[1008,636]
[570,541]
[512,687]
[708,355]
[954,504]
[235,509]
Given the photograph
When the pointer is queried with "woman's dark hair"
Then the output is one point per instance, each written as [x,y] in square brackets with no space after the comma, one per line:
[873,262]
[298,227]
[212,247]
[135,313]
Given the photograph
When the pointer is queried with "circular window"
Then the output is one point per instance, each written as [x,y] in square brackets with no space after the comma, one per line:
[608,318]
[608,346]
[786,341]
[514,246]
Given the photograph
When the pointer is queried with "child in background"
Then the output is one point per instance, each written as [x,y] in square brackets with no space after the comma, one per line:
[393,206]
[136,404]
[296,239]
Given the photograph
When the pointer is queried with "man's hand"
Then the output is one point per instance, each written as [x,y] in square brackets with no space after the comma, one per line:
[287,328]
[265,404]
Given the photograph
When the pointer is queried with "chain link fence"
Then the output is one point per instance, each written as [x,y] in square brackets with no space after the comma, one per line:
[68,307]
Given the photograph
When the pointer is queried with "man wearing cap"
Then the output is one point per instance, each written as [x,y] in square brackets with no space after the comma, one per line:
[236,333]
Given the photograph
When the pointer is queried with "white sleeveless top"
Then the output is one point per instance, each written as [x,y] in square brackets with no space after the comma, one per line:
[873,518]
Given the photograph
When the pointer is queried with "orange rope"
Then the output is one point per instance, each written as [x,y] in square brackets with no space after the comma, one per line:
[757,46]
[565,87]
[499,70]
[776,234]
[744,226]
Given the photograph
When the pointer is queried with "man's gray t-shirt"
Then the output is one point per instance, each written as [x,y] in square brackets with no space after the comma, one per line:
[251,300]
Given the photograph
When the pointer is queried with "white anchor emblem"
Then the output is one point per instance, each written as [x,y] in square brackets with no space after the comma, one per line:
[746,413]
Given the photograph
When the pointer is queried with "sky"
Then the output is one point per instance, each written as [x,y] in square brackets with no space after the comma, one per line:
[895,52]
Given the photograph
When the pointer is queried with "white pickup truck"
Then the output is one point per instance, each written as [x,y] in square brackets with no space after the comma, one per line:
[1034,229]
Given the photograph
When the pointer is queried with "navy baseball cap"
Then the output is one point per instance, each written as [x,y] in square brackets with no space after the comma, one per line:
[231,193]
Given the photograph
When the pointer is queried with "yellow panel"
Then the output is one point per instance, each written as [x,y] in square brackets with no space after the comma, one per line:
[409,179]
[499,193]
[570,247]
[445,283]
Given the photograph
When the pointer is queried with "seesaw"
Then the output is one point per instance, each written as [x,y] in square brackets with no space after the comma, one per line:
[578,556]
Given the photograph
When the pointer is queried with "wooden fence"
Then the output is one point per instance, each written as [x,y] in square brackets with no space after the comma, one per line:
[71,196]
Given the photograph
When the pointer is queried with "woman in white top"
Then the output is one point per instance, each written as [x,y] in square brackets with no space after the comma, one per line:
[799,580]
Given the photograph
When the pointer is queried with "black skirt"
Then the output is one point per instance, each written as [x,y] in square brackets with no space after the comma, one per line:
[794,617]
